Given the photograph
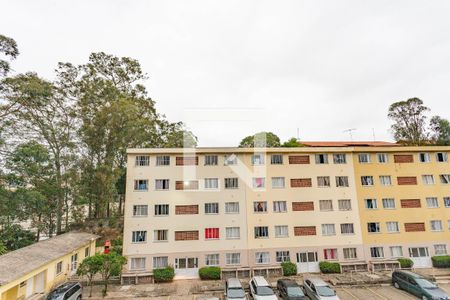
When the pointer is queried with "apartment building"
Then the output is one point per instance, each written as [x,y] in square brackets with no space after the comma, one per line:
[255,208]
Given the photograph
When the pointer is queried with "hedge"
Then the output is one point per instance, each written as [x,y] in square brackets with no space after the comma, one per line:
[289,268]
[441,261]
[209,273]
[405,263]
[329,267]
[164,274]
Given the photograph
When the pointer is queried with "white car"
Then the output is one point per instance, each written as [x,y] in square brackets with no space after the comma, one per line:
[260,289]
[317,289]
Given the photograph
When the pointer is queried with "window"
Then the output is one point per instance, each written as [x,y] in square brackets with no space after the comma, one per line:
[161,209]
[377,252]
[282,256]
[371,203]
[279,206]
[321,159]
[261,232]
[141,185]
[392,227]
[211,160]
[87,251]
[396,251]
[347,228]
[137,263]
[142,160]
[388,203]
[328,229]
[382,158]
[440,249]
[160,262]
[233,258]
[259,182]
[260,206]
[230,160]
[257,159]
[59,267]
[428,179]
[231,183]
[163,160]
[447,202]
[281,231]
[212,259]
[345,204]
[385,180]
[350,253]
[424,157]
[367,180]
[276,159]
[373,227]
[326,205]
[232,207]
[323,181]
[211,233]
[233,233]
[212,208]
[441,157]
[445,178]
[211,183]
[339,158]
[278,182]
[448,224]
[262,257]
[330,254]
[341,181]
[161,235]
[436,225]
[364,158]
[140,210]
[161,184]
[432,202]
[139,236]
[418,252]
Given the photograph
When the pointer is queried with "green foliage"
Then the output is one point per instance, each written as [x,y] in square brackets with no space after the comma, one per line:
[209,273]
[289,268]
[117,246]
[329,267]
[440,131]
[164,274]
[441,261]
[405,263]
[292,142]
[3,249]
[8,47]
[260,139]
[14,237]
[89,267]
[111,265]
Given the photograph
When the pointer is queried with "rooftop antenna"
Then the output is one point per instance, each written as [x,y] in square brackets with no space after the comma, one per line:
[373,133]
[298,134]
[350,132]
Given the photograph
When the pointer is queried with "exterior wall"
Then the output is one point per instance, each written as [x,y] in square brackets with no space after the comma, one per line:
[13,291]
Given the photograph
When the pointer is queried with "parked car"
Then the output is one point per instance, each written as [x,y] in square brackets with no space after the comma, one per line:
[418,285]
[66,291]
[234,290]
[317,289]
[289,290]
[260,289]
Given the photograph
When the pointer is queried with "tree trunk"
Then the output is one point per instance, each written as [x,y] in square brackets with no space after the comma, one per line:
[59,200]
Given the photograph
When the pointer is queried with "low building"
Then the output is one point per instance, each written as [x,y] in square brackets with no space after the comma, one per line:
[30,272]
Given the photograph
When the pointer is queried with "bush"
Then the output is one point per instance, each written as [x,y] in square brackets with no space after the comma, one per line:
[405,263]
[329,267]
[441,261]
[164,274]
[212,273]
[289,268]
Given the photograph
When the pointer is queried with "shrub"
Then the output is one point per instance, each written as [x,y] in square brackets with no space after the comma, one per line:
[405,263]
[289,268]
[164,274]
[212,273]
[329,267]
[441,261]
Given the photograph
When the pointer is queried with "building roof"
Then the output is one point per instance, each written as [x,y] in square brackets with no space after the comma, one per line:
[349,144]
[18,263]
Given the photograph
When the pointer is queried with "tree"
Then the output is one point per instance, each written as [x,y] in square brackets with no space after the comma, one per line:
[8,47]
[15,237]
[3,249]
[409,121]
[292,142]
[89,267]
[440,131]
[112,264]
[260,139]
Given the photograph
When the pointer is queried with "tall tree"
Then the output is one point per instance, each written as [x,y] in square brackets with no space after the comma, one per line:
[409,121]
[9,49]
[440,131]
[260,139]
[292,142]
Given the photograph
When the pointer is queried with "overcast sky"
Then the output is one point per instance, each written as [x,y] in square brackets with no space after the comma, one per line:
[232,68]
